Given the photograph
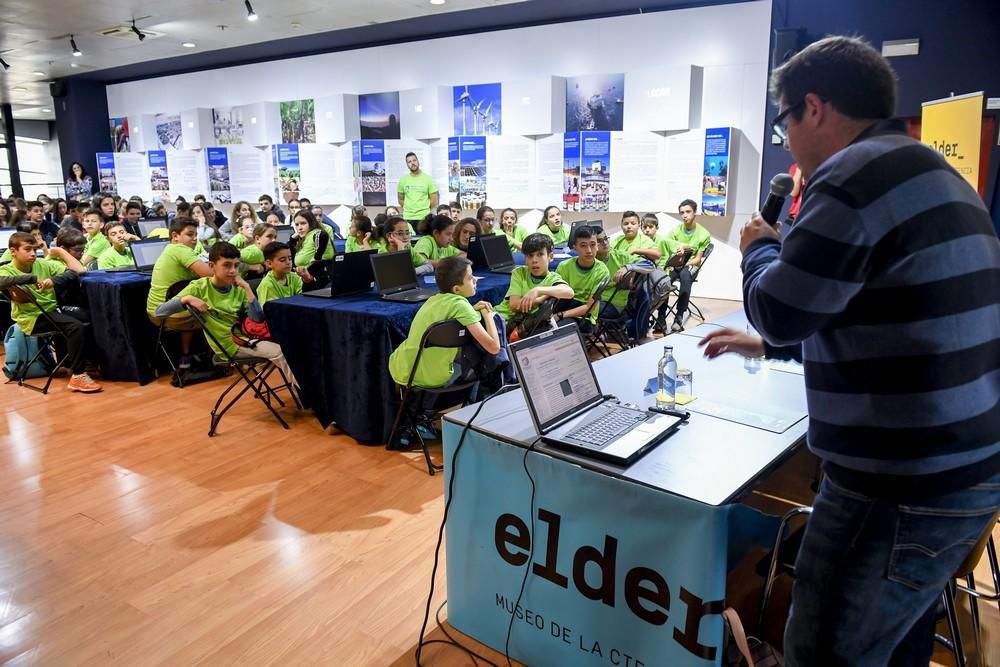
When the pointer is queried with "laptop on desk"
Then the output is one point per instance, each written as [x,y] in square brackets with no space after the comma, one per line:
[396,278]
[491,253]
[350,272]
[146,252]
[283,233]
[569,409]
[147,225]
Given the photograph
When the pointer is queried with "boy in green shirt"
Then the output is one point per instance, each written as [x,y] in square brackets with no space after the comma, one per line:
[119,254]
[666,246]
[252,256]
[689,236]
[219,298]
[38,276]
[97,242]
[532,284]
[617,262]
[281,280]
[583,273]
[634,242]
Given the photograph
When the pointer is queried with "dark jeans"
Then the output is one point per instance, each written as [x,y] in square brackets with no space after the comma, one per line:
[76,336]
[870,572]
[683,275]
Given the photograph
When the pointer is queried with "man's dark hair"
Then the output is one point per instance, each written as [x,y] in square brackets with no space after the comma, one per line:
[535,243]
[450,272]
[32,204]
[407,156]
[266,198]
[133,206]
[272,249]
[630,214]
[94,211]
[73,238]
[845,71]
[688,202]
[180,223]
[223,250]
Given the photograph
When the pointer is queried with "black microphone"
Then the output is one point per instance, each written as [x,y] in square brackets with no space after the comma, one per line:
[781,187]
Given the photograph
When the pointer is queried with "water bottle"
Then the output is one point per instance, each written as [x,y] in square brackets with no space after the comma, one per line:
[751,364]
[666,379]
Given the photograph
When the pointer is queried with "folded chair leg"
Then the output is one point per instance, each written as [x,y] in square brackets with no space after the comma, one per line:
[218,414]
[31,362]
[695,310]
[399,415]
[263,396]
[956,636]
[431,466]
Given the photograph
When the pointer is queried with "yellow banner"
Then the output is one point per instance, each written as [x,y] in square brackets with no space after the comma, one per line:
[953,127]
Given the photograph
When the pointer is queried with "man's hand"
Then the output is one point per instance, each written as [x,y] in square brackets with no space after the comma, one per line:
[721,341]
[44,284]
[194,302]
[757,228]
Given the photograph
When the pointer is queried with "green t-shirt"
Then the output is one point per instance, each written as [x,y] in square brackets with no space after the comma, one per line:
[521,281]
[416,257]
[639,241]
[416,190]
[6,257]
[429,249]
[518,234]
[698,238]
[252,254]
[270,289]
[223,307]
[96,245]
[561,236]
[615,260]
[436,362]
[240,241]
[112,259]
[172,266]
[583,281]
[307,248]
[667,247]
[354,245]
[159,233]
[25,314]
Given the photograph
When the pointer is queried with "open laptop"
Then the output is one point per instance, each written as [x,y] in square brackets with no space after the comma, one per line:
[146,252]
[147,225]
[568,407]
[491,253]
[5,234]
[396,279]
[284,233]
[351,272]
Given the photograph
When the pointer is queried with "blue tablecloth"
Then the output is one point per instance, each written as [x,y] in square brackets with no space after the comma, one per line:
[339,351]
[124,335]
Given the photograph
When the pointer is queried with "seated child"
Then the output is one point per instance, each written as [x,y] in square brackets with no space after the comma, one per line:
[618,262]
[119,254]
[487,218]
[245,235]
[532,284]
[281,280]
[436,245]
[97,242]
[551,225]
[514,232]
[360,235]
[71,240]
[395,236]
[634,242]
[583,273]
[219,298]
[666,246]
[440,367]
[465,230]
[38,275]
[312,248]
[252,256]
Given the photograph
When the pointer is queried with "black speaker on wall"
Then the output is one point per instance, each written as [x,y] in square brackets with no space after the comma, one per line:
[787,42]
[57,88]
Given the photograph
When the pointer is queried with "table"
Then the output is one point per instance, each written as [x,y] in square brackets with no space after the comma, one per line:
[339,351]
[626,561]
[117,305]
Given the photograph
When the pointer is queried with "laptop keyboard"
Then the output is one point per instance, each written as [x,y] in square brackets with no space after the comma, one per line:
[601,431]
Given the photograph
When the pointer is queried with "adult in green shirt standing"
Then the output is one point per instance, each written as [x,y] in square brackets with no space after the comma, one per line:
[689,235]
[417,193]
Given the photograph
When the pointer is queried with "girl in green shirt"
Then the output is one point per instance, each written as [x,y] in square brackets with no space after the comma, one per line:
[311,248]
[552,226]
[437,244]
[394,236]
[514,232]
[360,234]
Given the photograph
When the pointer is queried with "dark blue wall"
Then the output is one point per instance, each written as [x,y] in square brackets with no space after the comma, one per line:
[82,124]
[959,52]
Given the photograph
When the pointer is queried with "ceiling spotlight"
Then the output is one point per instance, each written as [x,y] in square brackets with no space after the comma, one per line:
[46,110]
[36,73]
[3,63]
[74,65]
[251,14]
[437,2]
[76,51]
[138,33]
[188,45]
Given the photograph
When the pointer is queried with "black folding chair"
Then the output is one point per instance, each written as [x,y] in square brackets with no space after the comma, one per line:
[675,288]
[613,324]
[160,346]
[46,341]
[446,333]
[253,372]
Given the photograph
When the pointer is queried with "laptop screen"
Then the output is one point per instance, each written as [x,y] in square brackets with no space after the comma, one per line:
[556,375]
[284,233]
[394,271]
[147,226]
[497,250]
[5,234]
[147,252]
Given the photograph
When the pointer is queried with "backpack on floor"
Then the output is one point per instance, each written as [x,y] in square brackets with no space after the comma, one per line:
[19,350]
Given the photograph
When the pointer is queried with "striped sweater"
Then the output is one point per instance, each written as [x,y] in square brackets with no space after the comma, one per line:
[890,280]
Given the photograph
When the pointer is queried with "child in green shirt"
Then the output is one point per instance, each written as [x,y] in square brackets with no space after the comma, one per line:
[487,219]
[360,235]
[119,254]
[252,256]
[666,246]
[281,281]
[464,231]
[395,237]
[689,237]
[532,284]
[618,262]
[514,232]
[552,226]
[312,248]
[632,241]
[436,245]
[219,298]
[440,367]
[97,242]
[245,235]
[583,273]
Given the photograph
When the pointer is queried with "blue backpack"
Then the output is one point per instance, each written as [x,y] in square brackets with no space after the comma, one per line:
[19,350]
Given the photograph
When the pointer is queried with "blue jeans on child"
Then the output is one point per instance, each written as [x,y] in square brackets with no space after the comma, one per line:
[870,572]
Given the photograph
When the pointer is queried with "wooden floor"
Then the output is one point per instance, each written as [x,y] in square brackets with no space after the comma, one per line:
[131,538]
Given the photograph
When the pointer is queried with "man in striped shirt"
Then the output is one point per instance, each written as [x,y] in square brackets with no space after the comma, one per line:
[888,289]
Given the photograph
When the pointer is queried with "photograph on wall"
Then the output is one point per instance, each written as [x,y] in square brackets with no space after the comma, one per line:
[379,113]
[595,102]
[227,123]
[716,171]
[289,171]
[454,169]
[119,135]
[595,170]
[571,171]
[472,190]
[218,175]
[373,172]
[356,171]
[477,109]
[106,181]
[158,181]
[298,122]
[168,130]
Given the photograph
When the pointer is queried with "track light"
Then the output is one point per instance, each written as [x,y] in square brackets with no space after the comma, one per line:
[251,14]
[138,33]
[3,63]
[76,51]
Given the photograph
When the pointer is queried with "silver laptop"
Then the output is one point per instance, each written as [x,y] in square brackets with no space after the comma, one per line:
[146,252]
[396,278]
[568,407]
[148,225]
